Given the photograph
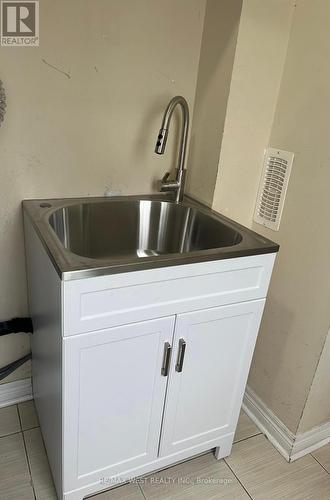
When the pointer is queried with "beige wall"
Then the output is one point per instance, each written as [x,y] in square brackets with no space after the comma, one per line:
[214,76]
[279,96]
[297,316]
[317,408]
[260,54]
[76,134]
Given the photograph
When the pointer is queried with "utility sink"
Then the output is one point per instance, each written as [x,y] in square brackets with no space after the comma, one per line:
[140,229]
[87,237]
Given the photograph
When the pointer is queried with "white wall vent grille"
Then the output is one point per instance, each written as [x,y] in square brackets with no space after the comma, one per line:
[272,189]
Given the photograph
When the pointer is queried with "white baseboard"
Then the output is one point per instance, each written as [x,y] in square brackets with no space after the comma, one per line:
[310,441]
[277,433]
[290,445]
[15,392]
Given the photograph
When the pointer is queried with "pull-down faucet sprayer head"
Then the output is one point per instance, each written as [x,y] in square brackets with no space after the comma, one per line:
[161,141]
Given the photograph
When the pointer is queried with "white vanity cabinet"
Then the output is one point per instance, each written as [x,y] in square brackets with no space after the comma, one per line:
[117,391]
[135,371]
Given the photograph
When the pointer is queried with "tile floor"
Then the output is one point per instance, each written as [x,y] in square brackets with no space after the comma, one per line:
[255,470]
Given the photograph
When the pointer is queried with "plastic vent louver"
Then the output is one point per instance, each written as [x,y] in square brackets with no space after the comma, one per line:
[272,189]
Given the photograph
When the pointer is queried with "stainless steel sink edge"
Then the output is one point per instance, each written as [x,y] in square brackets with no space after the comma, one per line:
[71,266]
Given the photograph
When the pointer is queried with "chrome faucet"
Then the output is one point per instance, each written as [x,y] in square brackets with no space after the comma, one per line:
[176,185]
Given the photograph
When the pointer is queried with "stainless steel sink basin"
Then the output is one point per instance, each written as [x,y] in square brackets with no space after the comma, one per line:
[88,237]
[138,228]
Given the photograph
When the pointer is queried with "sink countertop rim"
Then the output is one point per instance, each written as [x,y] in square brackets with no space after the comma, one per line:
[70,266]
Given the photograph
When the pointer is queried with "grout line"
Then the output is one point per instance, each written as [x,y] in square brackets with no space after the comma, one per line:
[248,437]
[18,432]
[31,428]
[11,434]
[316,460]
[26,454]
[145,498]
[19,418]
[246,491]
[19,422]
[28,464]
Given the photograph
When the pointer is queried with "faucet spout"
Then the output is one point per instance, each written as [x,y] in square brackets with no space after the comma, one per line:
[176,185]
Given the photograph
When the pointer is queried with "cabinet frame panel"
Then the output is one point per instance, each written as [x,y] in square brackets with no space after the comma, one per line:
[253,312]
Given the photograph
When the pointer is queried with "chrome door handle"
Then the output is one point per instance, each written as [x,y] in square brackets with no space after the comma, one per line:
[166,359]
[181,353]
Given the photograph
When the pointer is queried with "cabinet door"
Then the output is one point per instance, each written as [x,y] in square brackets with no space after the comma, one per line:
[212,352]
[113,400]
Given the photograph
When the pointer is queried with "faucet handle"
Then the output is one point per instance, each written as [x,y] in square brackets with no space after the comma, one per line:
[165,177]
